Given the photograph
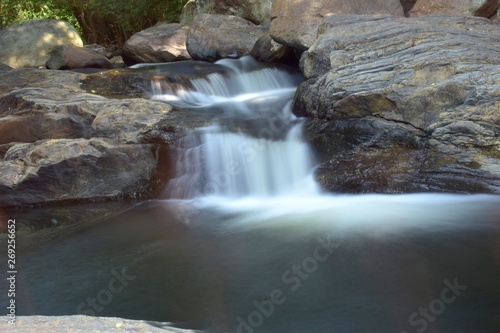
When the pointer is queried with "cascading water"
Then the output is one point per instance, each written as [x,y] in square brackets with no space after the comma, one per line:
[255,148]
[253,161]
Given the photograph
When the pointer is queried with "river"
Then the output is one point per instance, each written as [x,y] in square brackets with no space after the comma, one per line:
[243,240]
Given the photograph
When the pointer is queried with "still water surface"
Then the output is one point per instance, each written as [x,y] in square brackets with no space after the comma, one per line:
[343,264]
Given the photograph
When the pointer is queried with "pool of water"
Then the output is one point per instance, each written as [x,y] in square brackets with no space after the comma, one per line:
[373,263]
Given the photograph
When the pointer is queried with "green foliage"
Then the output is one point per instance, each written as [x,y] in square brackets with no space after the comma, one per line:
[99,21]
[15,11]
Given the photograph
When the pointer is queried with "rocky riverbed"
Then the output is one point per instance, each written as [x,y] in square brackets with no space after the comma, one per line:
[394,104]
[397,100]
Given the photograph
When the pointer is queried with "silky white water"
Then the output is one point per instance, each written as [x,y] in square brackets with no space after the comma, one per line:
[253,163]
[255,148]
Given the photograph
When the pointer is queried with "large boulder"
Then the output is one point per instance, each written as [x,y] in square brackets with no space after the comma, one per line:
[74,169]
[28,44]
[72,57]
[161,43]
[401,105]
[256,11]
[295,23]
[446,7]
[59,142]
[212,37]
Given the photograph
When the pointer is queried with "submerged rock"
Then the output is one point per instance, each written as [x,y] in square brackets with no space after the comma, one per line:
[403,104]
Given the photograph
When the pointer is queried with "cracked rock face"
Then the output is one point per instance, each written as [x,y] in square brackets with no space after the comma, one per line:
[404,105]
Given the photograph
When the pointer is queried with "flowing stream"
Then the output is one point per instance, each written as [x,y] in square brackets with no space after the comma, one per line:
[244,240]
[255,146]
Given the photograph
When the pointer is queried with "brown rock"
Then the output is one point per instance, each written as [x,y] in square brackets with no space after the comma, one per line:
[213,37]
[295,23]
[58,142]
[488,10]
[31,114]
[74,169]
[256,11]
[445,7]
[71,57]
[161,43]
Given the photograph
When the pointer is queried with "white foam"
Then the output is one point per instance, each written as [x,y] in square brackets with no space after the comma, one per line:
[369,214]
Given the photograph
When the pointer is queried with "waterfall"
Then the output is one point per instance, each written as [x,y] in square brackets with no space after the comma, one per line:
[255,146]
